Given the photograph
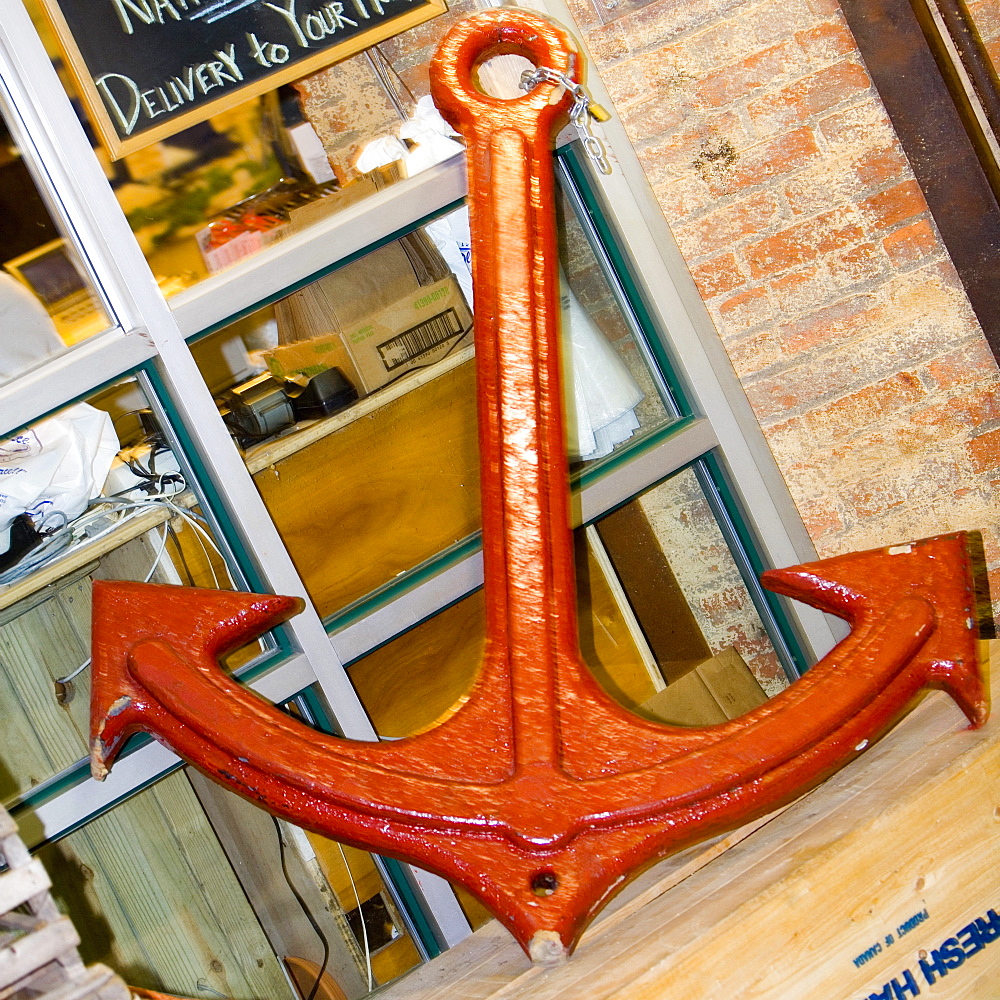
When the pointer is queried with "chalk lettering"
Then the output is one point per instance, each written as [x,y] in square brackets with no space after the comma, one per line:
[361,9]
[148,11]
[288,13]
[266,53]
[149,103]
[317,24]
[128,102]
[126,116]
[185,86]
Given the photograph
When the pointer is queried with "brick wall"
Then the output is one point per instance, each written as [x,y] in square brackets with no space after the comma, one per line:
[784,185]
[986,16]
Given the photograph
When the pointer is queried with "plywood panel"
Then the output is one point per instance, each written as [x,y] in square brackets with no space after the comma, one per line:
[382,493]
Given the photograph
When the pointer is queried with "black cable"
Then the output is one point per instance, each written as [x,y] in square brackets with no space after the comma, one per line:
[305,909]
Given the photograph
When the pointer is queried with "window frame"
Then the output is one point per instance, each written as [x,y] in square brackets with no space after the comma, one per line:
[150,335]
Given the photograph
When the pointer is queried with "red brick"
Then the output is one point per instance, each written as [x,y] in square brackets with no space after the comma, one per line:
[607,43]
[985,451]
[963,367]
[877,166]
[855,264]
[864,124]
[765,160]
[831,324]
[717,276]
[680,146]
[656,23]
[746,309]
[752,354]
[651,119]
[911,243]
[625,82]
[957,416]
[682,198]
[800,290]
[889,208]
[728,225]
[803,243]
[867,407]
[815,93]
[820,519]
[777,19]
[826,42]
[740,79]
[874,496]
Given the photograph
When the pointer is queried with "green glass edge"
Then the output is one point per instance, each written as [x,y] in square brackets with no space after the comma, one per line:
[455,553]
[388,592]
[74,775]
[573,158]
[745,542]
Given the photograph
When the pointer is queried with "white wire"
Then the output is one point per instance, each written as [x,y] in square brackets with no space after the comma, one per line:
[136,507]
[361,917]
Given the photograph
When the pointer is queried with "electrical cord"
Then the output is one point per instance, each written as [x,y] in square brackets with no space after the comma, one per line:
[305,910]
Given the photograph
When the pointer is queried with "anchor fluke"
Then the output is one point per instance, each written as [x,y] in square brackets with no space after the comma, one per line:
[202,625]
[862,586]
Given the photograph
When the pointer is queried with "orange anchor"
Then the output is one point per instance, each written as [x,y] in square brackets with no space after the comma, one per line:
[540,795]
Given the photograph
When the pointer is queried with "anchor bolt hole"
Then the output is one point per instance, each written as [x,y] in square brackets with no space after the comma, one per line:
[544,883]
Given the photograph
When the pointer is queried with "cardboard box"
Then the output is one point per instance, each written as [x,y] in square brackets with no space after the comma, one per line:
[413,332]
[416,330]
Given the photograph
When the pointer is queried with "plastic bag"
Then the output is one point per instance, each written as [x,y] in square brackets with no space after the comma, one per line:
[51,469]
[601,394]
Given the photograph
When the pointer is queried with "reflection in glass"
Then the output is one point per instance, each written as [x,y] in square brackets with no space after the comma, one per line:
[47,301]
[393,475]
[685,587]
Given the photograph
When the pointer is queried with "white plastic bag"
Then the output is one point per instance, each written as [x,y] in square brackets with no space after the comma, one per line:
[601,394]
[51,469]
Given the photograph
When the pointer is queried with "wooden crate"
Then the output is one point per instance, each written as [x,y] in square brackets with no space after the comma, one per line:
[884,876]
[38,946]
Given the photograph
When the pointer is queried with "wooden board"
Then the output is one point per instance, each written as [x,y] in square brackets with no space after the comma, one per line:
[154,897]
[901,843]
[382,493]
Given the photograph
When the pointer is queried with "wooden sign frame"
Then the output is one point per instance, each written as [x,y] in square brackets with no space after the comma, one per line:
[269,43]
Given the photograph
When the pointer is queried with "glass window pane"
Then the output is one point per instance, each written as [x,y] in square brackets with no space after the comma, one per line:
[365,489]
[225,188]
[685,588]
[90,492]
[666,624]
[47,300]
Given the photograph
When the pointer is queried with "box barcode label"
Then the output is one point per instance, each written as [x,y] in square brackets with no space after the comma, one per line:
[419,339]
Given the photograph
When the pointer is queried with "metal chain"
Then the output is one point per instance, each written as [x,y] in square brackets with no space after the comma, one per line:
[580,114]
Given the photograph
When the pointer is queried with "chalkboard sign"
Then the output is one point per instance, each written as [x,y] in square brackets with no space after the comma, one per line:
[150,68]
